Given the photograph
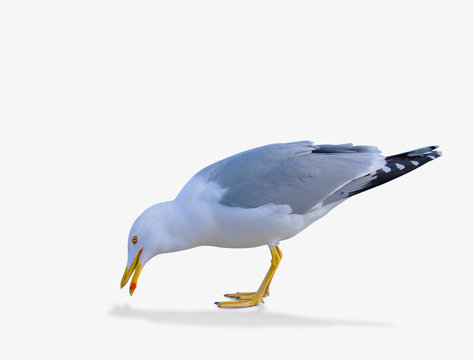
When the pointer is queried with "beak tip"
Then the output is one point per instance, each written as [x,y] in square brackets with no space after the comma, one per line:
[124,280]
[132,288]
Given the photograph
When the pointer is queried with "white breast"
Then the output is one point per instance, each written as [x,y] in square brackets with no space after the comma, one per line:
[218,225]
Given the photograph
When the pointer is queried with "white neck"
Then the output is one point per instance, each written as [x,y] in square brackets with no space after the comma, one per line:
[180,224]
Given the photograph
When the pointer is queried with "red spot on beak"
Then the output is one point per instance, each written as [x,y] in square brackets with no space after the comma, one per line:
[132,286]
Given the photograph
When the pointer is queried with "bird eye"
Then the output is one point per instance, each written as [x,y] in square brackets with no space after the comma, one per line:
[134,239]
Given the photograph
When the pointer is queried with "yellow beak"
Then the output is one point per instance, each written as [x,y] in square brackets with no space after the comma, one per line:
[136,267]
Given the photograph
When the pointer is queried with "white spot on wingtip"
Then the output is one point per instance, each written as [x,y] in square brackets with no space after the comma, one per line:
[386,169]
[431,156]
[415,163]
[399,166]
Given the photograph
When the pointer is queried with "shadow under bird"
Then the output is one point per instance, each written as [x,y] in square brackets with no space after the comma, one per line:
[260,197]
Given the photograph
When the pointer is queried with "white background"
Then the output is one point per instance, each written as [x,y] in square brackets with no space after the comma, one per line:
[108,107]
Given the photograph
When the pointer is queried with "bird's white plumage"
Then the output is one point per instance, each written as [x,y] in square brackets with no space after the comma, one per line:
[258,197]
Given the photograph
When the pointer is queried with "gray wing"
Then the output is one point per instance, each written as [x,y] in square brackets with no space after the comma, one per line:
[299,174]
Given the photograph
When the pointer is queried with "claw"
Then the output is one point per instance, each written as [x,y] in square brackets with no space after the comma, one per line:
[240,295]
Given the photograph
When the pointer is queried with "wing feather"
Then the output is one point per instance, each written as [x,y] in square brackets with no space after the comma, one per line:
[299,174]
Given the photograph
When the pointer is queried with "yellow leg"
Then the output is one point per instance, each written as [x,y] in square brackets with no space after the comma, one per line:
[248,295]
[245,299]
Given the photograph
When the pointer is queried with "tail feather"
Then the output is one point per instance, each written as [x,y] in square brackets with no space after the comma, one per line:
[396,165]
[428,150]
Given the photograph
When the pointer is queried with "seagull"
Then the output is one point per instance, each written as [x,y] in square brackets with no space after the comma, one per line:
[261,197]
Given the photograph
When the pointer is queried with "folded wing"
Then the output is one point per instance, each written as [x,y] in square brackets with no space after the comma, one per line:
[299,174]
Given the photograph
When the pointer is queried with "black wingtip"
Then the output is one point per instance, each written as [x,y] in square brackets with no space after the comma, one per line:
[417,152]
[396,165]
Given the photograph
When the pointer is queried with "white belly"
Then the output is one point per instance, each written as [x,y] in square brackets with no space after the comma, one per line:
[229,227]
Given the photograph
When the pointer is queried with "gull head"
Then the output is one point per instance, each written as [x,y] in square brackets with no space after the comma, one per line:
[147,238]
